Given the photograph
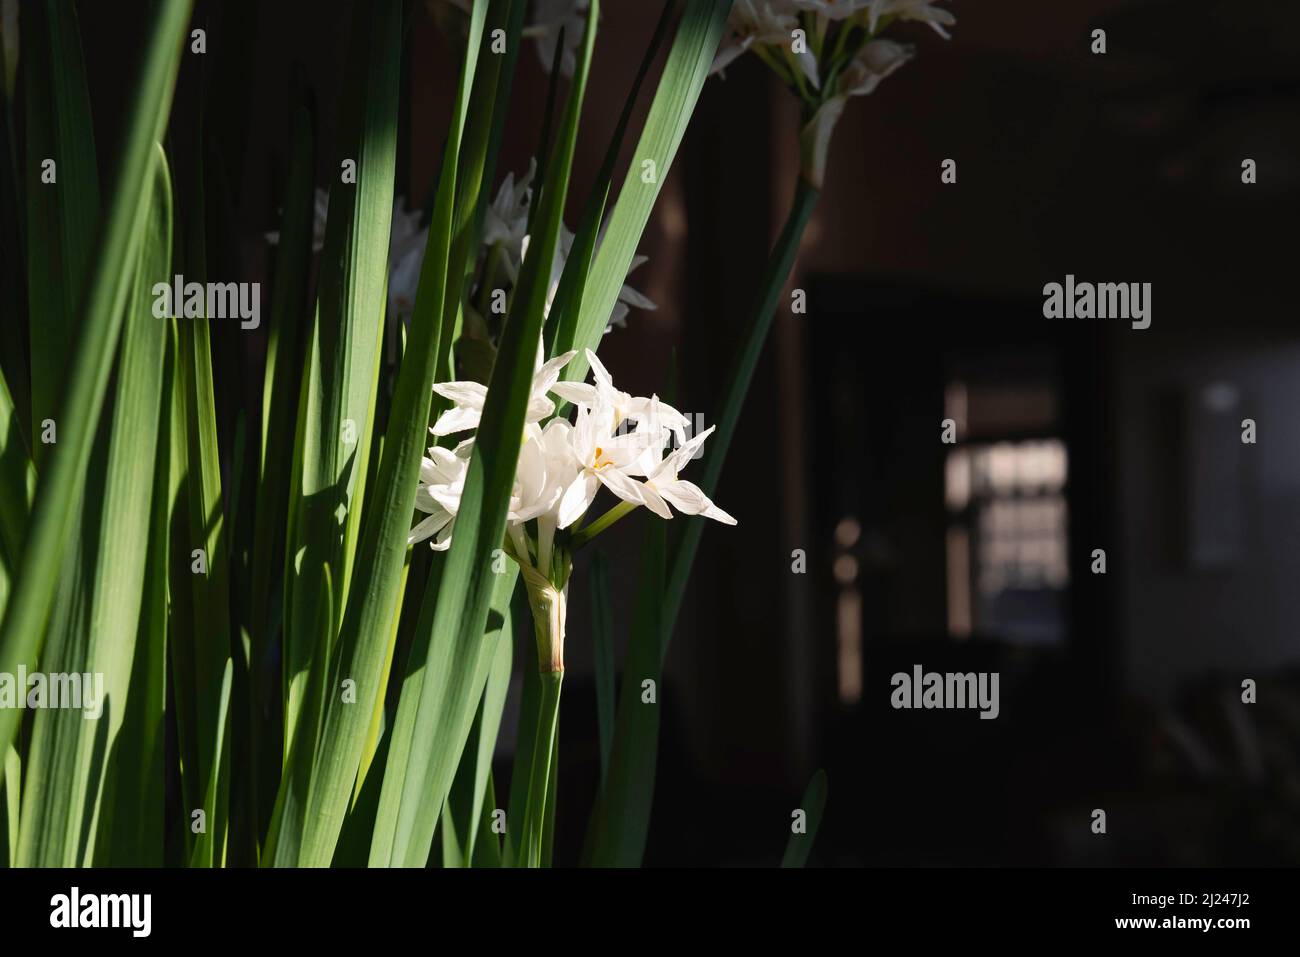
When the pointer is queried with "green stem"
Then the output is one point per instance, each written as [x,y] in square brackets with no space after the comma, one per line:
[584,535]
[540,780]
[779,263]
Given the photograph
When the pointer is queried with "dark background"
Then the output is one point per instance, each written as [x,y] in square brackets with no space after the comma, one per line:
[1119,691]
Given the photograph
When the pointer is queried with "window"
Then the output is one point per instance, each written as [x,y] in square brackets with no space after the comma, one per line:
[1004,487]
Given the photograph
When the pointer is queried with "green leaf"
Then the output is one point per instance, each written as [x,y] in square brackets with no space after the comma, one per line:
[61,215]
[525,732]
[203,542]
[283,843]
[14,336]
[539,808]
[562,321]
[280,389]
[684,74]
[488,849]
[813,804]
[343,352]
[102,310]
[17,482]
[133,823]
[13,801]
[125,515]
[438,695]
[602,640]
[489,106]
[209,848]
[463,812]
[620,821]
[373,598]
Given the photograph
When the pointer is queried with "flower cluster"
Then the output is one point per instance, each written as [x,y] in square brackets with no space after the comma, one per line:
[502,249]
[616,441]
[505,245]
[826,51]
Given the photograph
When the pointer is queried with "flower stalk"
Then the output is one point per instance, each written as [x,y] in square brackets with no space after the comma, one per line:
[540,782]
[549,605]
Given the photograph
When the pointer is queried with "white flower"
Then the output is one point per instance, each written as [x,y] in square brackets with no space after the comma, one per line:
[468,399]
[923,10]
[604,457]
[505,227]
[875,61]
[561,467]
[685,496]
[770,24]
[546,468]
[763,22]
[627,298]
[835,9]
[615,404]
[552,16]
[442,480]
[506,221]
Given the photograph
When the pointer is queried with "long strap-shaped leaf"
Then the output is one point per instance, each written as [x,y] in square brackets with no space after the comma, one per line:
[372,600]
[102,302]
[438,695]
[683,78]
[343,352]
[462,812]
[289,312]
[62,189]
[207,638]
[124,514]
[562,320]
[338,398]
[132,822]
[619,824]
[17,483]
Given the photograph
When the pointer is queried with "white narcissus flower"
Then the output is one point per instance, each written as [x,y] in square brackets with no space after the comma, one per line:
[506,221]
[876,60]
[923,10]
[604,457]
[628,298]
[686,497]
[442,480]
[614,403]
[769,23]
[505,227]
[836,9]
[561,467]
[550,17]
[468,398]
